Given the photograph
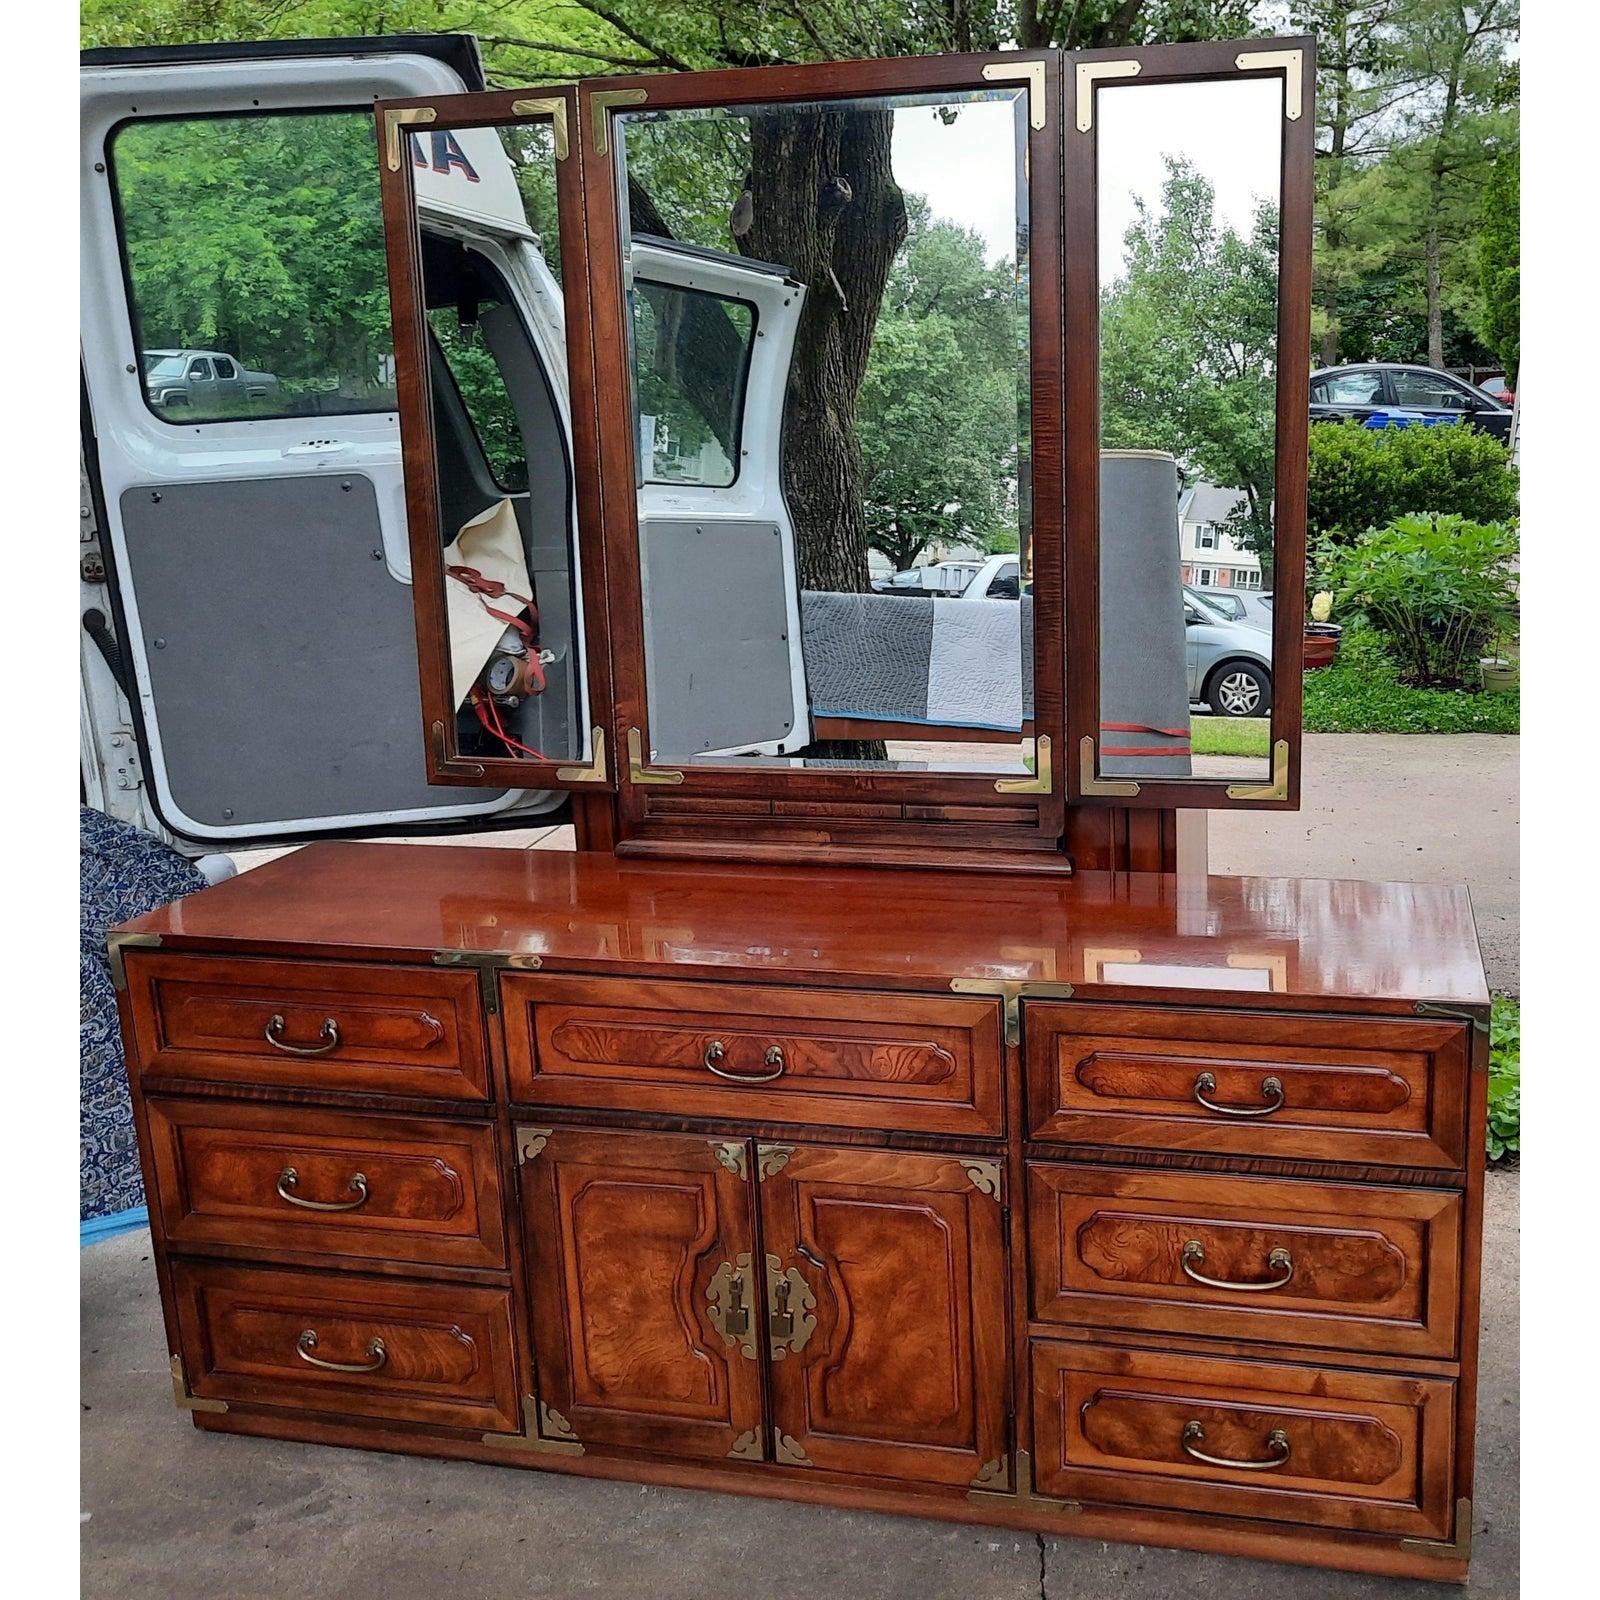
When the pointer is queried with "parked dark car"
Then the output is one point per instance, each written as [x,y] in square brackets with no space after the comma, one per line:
[1381,392]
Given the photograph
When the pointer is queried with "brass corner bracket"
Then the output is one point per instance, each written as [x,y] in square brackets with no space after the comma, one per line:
[1293,64]
[394,121]
[544,1432]
[1089,780]
[638,772]
[772,1159]
[444,762]
[790,1452]
[1458,1548]
[1278,789]
[596,771]
[1085,76]
[180,1391]
[600,104]
[530,1141]
[556,109]
[1042,778]
[749,1446]
[1012,992]
[1478,1016]
[984,1176]
[732,1155]
[1030,73]
[116,943]
[989,1485]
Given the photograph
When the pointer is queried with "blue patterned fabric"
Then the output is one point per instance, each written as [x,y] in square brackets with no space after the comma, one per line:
[122,873]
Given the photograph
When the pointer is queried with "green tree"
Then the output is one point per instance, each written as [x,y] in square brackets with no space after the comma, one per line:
[1500,261]
[1188,339]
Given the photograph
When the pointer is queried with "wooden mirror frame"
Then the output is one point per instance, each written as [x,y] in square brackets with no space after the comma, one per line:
[1294,61]
[596,770]
[789,814]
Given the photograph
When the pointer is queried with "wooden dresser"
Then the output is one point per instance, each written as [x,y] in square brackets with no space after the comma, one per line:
[1131,1206]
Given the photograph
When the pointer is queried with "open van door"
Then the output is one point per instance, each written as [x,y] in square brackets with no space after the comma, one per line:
[249,658]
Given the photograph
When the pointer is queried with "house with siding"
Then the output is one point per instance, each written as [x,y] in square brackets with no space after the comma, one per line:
[1210,557]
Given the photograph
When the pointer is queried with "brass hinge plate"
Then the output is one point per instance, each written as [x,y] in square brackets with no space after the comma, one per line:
[1278,789]
[1293,64]
[1457,1549]
[555,109]
[530,1141]
[1087,75]
[180,1391]
[545,1432]
[393,122]
[1042,778]
[600,104]
[1012,992]
[639,772]
[597,771]
[1030,73]
[1089,780]
[116,943]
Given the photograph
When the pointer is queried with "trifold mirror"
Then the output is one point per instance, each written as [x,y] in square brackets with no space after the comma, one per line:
[781,451]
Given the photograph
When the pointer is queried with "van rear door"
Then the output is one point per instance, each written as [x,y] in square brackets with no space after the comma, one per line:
[250,665]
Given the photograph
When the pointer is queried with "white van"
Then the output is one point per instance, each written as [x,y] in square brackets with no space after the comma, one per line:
[249,667]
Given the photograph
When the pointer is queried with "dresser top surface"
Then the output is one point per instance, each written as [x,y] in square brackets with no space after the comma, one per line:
[1283,941]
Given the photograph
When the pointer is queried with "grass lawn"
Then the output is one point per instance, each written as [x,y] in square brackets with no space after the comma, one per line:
[1229,736]
[1361,693]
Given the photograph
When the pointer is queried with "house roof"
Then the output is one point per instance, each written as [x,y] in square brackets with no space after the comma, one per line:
[1205,502]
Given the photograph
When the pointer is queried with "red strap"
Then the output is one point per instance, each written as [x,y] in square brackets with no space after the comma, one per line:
[474,582]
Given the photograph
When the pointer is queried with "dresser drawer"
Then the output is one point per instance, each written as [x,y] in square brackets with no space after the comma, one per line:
[1332,1089]
[1355,1450]
[1350,1266]
[349,1345]
[335,1182]
[308,1025]
[846,1058]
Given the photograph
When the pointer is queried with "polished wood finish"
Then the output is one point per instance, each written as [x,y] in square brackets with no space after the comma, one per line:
[859,1059]
[626,1232]
[1364,1450]
[905,1374]
[1368,1268]
[429,1192]
[940,1275]
[1322,1088]
[404,1031]
[446,1349]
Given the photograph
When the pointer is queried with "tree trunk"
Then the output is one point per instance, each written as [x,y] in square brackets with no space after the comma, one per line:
[1435,305]
[839,241]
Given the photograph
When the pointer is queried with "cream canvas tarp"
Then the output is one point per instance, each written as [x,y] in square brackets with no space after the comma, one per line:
[492,544]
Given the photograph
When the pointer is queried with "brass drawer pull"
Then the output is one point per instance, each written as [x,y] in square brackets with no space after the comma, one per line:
[330,1032]
[1206,1084]
[307,1342]
[717,1051]
[1280,1261]
[357,1185]
[1277,1443]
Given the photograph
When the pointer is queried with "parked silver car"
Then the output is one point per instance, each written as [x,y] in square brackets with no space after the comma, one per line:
[212,379]
[1229,663]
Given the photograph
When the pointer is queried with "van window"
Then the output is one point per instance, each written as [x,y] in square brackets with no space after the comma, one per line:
[258,240]
[691,355]
[483,392]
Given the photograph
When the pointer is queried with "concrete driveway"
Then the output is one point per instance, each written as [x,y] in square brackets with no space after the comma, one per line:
[182,1515]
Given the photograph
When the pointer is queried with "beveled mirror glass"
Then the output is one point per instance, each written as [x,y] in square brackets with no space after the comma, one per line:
[1189,185]
[828,307]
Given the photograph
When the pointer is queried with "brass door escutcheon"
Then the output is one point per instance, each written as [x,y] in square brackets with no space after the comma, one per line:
[790,1304]
[730,1294]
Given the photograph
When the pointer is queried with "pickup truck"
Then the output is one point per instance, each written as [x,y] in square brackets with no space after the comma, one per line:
[209,378]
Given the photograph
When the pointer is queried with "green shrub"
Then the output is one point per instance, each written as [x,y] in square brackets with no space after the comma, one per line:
[1362,693]
[1504,1134]
[1366,477]
[1437,588]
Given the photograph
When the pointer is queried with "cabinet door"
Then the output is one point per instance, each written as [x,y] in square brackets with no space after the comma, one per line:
[886,1319]
[639,1260]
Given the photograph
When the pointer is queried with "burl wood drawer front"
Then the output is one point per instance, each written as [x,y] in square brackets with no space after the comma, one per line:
[309,1025]
[1351,1266]
[853,1059]
[1355,1450]
[275,1178]
[1332,1089]
[348,1344]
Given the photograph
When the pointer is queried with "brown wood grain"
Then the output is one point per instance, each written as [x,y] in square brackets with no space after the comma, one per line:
[905,1375]
[1372,1268]
[431,1189]
[624,1233]
[447,1347]
[928,1062]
